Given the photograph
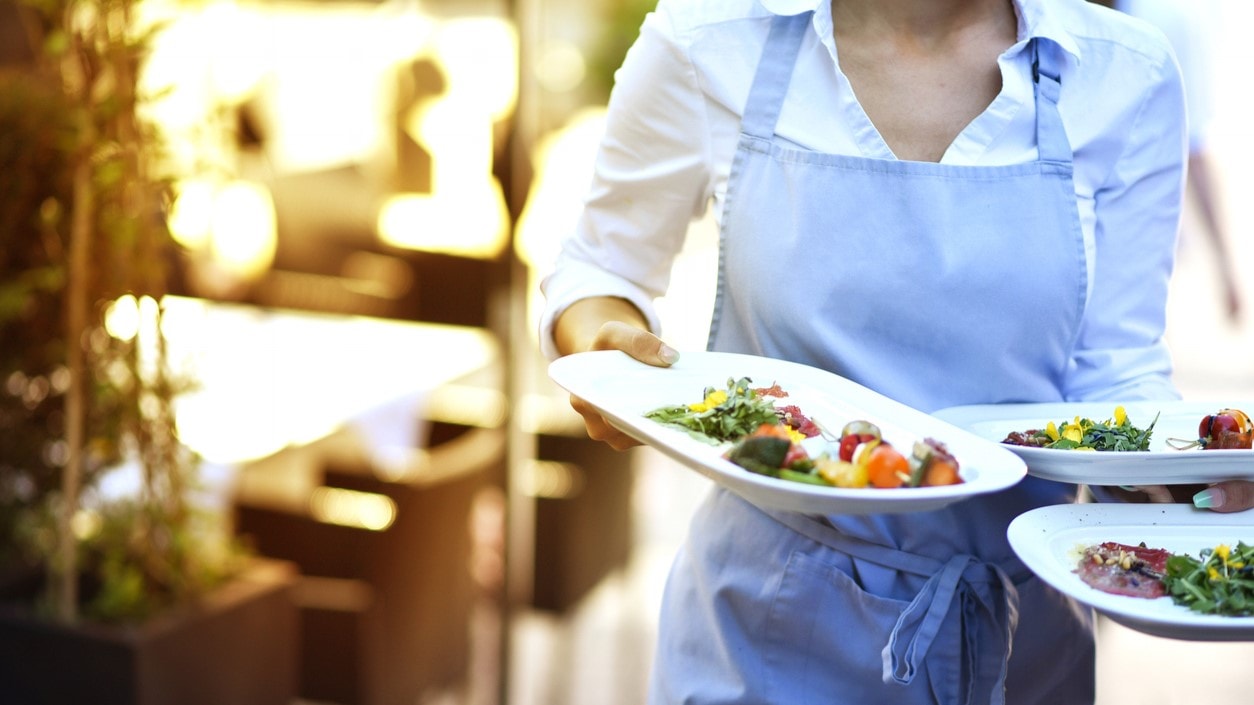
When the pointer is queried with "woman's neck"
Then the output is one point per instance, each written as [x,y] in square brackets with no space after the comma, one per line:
[922,21]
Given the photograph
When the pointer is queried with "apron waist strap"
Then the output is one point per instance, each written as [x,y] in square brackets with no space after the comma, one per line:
[984,618]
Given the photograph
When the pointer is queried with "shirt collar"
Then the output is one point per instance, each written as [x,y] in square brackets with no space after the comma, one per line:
[1042,18]
[1035,20]
[796,7]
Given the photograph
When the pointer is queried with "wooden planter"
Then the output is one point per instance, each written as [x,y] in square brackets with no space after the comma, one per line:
[238,646]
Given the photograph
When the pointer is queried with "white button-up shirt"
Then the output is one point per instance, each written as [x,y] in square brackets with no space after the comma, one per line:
[674,121]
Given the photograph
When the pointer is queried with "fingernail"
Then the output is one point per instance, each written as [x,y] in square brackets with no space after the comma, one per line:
[1209,498]
[668,354]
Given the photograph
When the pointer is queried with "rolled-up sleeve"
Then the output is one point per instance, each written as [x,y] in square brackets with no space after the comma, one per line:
[651,179]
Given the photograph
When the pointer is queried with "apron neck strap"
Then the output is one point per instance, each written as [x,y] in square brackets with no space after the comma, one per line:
[770,83]
[1051,136]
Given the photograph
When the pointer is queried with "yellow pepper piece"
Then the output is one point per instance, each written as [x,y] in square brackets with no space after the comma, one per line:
[840,473]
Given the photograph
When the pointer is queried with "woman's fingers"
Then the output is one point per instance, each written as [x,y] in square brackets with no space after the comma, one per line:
[598,428]
[1159,494]
[1230,496]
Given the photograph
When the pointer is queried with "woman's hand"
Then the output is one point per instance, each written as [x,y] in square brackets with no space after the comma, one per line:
[1226,497]
[608,324]
[638,343]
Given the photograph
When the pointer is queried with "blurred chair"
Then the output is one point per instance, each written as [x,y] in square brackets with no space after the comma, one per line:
[385,612]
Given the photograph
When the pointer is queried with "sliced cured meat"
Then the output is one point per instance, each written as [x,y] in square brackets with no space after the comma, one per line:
[792,417]
[1122,569]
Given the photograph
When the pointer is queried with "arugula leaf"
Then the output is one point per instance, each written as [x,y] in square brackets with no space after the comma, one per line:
[1218,581]
[722,415]
[1106,436]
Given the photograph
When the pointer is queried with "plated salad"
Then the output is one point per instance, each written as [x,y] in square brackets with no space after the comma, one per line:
[1219,580]
[1116,433]
[1226,429]
[766,436]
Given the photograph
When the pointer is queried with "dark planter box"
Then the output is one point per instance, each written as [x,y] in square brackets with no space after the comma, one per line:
[238,646]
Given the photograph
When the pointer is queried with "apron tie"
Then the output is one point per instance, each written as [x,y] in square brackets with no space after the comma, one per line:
[923,617]
[921,621]
[986,621]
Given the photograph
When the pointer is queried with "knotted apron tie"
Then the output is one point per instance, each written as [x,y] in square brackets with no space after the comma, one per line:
[987,623]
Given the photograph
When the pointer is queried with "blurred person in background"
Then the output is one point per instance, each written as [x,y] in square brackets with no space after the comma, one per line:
[1189,26]
[948,201]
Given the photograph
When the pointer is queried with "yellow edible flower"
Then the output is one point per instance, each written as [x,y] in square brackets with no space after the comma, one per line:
[1073,432]
[1051,430]
[1121,416]
[1223,551]
[1212,574]
[711,400]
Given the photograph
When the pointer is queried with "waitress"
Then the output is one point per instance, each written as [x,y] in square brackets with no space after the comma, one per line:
[948,201]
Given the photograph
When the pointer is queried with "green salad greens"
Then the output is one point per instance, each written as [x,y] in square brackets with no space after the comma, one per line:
[722,414]
[1220,581]
[1114,434]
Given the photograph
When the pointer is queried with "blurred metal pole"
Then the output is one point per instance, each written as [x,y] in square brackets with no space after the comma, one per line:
[519,523]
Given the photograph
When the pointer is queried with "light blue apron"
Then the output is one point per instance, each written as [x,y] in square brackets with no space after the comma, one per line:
[936,285]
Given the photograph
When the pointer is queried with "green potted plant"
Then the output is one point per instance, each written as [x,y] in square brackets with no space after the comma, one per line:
[127,589]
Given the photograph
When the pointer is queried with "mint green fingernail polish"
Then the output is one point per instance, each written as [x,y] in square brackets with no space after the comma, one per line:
[1208,499]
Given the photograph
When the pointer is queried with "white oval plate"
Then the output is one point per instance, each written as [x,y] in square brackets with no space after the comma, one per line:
[623,390]
[1161,465]
[1048,541]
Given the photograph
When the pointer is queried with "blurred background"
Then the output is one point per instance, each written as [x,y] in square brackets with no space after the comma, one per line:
[366,195]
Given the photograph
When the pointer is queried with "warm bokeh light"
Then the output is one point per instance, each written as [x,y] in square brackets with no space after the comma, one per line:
[465,213]
[550,479]
[268,380]
[479,56]
[122,318]
[362,510]
[472,223]
[85,524]
[320,81]
[561,67]
[563,165]
[234,223]
[191,215]
[244,231]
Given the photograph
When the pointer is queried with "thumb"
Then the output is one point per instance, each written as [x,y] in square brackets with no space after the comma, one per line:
[1229,496]
[636,342]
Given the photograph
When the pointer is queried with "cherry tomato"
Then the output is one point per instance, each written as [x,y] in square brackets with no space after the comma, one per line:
[849,444]
[885,467]
[1227,429]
